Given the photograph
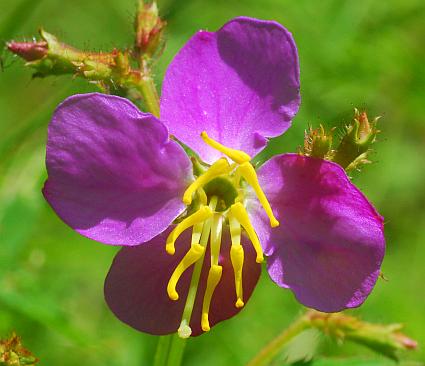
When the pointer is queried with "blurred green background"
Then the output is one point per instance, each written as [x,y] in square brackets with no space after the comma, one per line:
[365,53]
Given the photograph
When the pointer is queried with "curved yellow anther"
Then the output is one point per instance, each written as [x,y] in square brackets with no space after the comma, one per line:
[220,167]
[195,252]
[248,173]
[201,215]
[240,214]
[237,258]
[214,276]
[237,156]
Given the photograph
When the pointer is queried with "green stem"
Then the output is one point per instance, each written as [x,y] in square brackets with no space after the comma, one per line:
[162,350]
[169,351]
[148,90]
[266,355]
[176,351]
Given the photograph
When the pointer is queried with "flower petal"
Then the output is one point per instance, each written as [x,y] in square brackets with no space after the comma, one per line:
[330,244]
[239,84]
[114,176]
[135,288]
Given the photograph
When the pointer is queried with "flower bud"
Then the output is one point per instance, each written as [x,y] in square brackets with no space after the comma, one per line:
[29,51]
[149,28]
[355,144]
[13,354]
[318,143]
[385,339]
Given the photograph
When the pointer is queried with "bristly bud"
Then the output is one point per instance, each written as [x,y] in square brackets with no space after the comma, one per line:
[384,339]
[355,144]
[318,143]
[149,29]
[13,354]
[29,51]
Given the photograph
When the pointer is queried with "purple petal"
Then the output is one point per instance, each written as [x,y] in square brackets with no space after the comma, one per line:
[239,84]
[114,176]
[330,244]
[135,288]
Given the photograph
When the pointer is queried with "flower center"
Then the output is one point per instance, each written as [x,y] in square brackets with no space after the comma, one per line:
[219,194]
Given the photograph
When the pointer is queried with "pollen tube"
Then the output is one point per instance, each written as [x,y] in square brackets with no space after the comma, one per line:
[237,258]
[199,216]
[237,156]
[248,172]
[220,167]
[239,212]
[195,252]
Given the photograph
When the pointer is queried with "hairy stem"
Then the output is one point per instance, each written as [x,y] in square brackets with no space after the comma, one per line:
[147,89]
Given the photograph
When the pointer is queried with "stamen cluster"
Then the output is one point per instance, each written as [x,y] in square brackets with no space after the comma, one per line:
[207,223]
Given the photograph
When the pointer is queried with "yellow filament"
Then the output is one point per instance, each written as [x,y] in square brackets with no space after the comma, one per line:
[239,212]
[248,173]
[237,156]
[216,230]
[195,252]
[220,167]
[199,216]
[237,258]
[214,276]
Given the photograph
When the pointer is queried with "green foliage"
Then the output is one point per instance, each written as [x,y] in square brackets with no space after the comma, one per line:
[361,53]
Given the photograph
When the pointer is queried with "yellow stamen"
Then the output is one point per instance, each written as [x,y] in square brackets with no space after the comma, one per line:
[199,216]
[237,156]
[214,276]
[237,258]
[239,212]
[220,167]
[248,173]
[184,330]
[216,230]
[202,196]
[195,252]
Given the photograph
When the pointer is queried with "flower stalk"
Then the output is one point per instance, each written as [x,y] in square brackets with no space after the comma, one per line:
[271,350]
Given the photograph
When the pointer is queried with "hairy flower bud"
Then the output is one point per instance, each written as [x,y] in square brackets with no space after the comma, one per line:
[13,354]
[318,143]
[149,28]
[29,51]
[355,144]
[386,339]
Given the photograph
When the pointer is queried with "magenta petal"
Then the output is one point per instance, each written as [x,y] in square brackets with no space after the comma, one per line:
[114,176]
[239,84]
[135,288]
[330,244]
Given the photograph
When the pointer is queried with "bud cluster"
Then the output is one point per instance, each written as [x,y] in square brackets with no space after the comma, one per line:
[353,148]
[13,354]
[111,71]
